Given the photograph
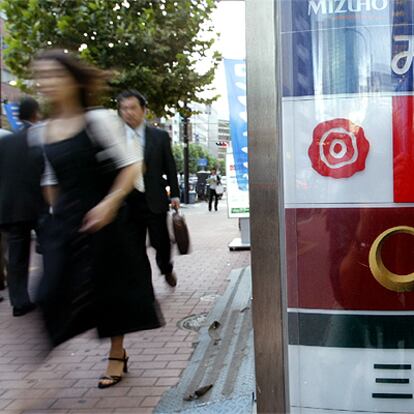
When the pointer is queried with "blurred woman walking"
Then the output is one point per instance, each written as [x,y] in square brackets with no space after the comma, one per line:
[93,276]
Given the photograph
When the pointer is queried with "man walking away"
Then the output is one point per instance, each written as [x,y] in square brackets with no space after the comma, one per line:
[213,181]
[149,202]
[21,167]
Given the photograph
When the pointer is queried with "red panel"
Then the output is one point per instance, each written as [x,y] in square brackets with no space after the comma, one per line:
[403,145]
[327,258]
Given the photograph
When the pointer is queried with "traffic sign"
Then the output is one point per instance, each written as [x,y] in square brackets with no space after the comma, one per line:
[202,162]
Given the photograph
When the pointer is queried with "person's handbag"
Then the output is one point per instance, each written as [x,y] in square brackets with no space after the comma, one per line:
[181,234]
[219,189]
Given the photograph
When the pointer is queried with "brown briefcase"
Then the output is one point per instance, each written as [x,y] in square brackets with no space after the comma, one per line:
[181,235]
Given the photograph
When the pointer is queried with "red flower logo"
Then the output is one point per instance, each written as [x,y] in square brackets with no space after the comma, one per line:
[339,148]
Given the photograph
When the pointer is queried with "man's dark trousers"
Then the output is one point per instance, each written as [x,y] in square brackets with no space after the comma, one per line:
[19,237]
[156,225]
[212,194]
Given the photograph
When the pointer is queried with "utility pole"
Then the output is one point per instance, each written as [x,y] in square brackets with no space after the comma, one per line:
[186,159]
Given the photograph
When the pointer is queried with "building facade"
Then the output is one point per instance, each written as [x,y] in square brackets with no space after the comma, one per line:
[224,139]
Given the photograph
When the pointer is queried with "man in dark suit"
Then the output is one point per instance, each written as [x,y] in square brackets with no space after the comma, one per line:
[149,202]
[21,167]
[3,132]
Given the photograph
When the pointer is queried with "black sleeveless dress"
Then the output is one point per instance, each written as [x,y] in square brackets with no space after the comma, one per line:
[97,280]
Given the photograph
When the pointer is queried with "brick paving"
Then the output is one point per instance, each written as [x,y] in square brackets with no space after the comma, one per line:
[65,381]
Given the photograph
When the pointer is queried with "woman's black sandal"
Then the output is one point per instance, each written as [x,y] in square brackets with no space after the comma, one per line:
[114,378]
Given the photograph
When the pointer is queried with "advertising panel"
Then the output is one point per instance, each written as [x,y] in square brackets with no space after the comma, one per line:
[348,155]
[237,199]
[236,91]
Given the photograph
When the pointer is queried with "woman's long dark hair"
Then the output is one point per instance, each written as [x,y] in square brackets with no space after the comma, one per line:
[91,80]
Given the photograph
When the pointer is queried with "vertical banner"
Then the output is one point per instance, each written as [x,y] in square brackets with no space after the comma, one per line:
[12,113]
[236,90]
[348,151]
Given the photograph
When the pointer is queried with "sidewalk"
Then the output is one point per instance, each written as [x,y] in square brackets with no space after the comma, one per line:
[66,381]
[220,377]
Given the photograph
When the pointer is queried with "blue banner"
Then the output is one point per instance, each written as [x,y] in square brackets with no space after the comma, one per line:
[341,47]
[236,91]
[12,113]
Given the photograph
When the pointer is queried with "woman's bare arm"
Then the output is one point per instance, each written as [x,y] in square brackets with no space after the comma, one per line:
[105,212]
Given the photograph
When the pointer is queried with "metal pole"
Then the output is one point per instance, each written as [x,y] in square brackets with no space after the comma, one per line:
[266,199]
[186,160]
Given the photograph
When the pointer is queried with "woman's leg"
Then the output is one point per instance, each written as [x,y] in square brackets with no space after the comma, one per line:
[116,362]
[216,200]
[117,347]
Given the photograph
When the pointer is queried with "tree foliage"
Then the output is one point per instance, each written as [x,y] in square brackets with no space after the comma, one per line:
[178,154]
[196,152]
[152,45]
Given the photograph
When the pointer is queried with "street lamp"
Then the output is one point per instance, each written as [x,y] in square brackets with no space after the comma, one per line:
[186,159]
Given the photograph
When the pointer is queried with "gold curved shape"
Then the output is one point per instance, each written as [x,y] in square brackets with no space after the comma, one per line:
[388,279]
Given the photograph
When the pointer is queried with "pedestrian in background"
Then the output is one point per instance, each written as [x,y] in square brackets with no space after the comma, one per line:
[149,201]
[92,275]
[21,201]
[2,244]
[213,181]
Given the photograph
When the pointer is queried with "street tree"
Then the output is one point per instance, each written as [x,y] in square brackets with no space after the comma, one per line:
[196,152]
[177,150]
[150,45]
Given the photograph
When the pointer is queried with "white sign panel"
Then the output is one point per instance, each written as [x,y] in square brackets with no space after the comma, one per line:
[372,180]
[237,199]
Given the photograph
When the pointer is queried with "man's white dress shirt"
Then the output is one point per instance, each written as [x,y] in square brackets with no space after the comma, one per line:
[136,145]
